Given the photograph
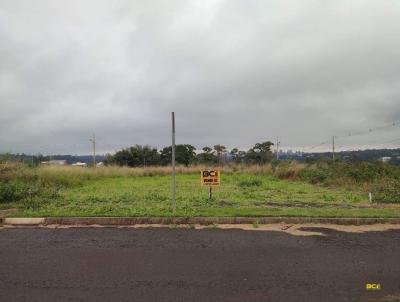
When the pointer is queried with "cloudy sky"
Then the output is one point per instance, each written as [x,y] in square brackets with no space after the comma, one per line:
[236,72]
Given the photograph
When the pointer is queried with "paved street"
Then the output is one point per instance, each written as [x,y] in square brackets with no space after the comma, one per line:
[166,264]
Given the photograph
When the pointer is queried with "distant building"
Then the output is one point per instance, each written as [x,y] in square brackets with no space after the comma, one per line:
[385,159]
[55,162]
[79,164]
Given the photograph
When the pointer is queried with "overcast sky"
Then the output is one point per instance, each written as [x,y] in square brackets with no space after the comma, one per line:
[235,73]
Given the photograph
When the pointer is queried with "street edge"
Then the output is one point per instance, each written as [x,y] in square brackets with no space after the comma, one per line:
[115,221]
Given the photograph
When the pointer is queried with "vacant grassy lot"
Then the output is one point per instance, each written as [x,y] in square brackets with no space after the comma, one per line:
[290,190]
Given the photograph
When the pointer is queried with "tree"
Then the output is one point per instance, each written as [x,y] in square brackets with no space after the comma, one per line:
[264,147]
[220,149]
[260,153]
[135,156]
[207,149]
[241,156]
[206,156]
[252,157]
[4,157]
[234,154]
[184,154]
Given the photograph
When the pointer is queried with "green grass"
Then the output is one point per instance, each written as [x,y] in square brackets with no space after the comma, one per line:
[151,196]
[289,189]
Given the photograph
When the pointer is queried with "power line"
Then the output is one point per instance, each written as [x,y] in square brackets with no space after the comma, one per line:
[352,134]
[316,146]
[370,130]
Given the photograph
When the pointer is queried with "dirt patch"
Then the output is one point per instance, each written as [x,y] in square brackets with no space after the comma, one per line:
[296,229]
[293,229]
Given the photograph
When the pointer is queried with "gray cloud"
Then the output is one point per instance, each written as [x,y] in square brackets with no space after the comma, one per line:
[235,72]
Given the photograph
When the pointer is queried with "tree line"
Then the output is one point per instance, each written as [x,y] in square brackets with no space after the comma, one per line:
[185,154]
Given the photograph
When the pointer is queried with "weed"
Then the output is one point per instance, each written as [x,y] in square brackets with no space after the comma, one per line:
[387,191]
[16,191]
[245,190]
[250,182]
[328,197]
[33,202]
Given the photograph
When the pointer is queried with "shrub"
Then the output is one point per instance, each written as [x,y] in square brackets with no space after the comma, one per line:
[250,182]
[386,191]
[10,192]
[287,169]
[314,176]
[368,172]
[33,202]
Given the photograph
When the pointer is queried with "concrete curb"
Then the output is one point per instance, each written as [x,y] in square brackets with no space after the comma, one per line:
[109,221]
[24,221]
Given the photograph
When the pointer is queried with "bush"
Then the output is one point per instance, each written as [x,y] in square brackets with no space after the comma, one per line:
[287,169]
[340,172]
[314,176]
[386,191]
[250,182]
[14,191]
[368,172]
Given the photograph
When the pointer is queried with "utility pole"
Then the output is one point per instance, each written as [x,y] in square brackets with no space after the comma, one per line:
[173,165]
[93,140]
[277,148]
[333,147]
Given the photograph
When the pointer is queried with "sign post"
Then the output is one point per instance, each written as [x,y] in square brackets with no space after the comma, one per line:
[173,165]
[210,178]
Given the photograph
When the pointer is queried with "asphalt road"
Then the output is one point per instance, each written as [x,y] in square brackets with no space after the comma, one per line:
[113,264]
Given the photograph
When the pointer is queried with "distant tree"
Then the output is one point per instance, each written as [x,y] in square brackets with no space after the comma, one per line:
[251,157]
[206,156]
[109,159]
[241,156]
[234,154]
[261,153]
[5,157]
[237,156]
[135,156]
[184,154]
[220,150]
[207,149]
[263,147]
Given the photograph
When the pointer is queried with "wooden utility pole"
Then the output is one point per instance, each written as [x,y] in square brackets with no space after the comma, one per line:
[333,147]
[277,148]
[173,165]
[93,140]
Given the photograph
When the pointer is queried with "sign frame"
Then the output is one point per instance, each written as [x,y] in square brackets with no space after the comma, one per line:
[210,178]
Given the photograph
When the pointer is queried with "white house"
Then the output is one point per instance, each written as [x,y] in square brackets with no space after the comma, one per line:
[55,162]
[79,164]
